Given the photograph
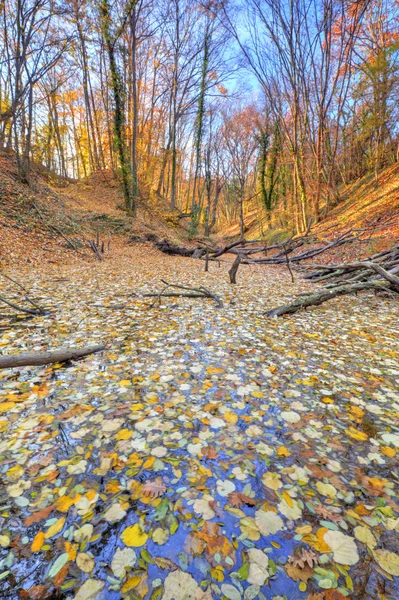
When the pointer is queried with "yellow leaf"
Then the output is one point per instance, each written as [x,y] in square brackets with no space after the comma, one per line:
[64,503]
[275,545]
[356,434]
[56,528]
[149,462]
[217,573]
[15,473]
[288,499]
[322,546]
[357,412]
[6,406]
[283,451]
[124,382]
[72,549]
[131,584]
[391,452]
[304,529]
[327,400]
[136,407]
[124,434]
[213,370]
[134,536]
[231,418]
[38,541]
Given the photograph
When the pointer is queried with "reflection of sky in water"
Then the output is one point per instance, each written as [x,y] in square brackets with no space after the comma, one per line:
[240,348]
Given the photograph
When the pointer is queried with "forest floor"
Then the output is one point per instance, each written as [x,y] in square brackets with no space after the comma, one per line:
[207,453]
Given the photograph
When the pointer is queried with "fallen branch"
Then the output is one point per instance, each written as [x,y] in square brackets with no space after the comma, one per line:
[317,298]
[44,358]
[38,308]
[28,311]
[189,292]
[95,249]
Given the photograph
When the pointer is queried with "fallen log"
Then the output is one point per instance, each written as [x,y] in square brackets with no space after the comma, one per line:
[174,250]
[44,358]
[317,298]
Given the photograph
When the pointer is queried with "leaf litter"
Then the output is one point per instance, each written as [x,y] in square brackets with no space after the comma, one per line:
[208,453]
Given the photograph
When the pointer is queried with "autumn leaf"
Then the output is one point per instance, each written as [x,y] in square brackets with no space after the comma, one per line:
[238,499]
[154,489]
[134,536]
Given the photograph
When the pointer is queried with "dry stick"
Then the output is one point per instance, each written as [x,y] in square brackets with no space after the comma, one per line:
[96,250]
[288,264]
[227,248]
[28,311]
[207,261]
[201,289]
[27,297]
[201,292]
[44,358]
[234,268]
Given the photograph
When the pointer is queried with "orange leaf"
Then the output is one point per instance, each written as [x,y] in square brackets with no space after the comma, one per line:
[38,541]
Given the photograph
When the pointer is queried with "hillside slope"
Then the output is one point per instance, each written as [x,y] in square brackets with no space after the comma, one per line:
[54,219]
[363,206]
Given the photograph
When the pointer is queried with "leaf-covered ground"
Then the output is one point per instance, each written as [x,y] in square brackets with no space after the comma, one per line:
[208,453]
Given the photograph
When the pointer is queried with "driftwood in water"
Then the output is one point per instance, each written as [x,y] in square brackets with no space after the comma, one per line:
[348,278]
[317,298]
[188,292]
[44,358]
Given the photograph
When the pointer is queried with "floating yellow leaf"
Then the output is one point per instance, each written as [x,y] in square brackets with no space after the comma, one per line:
[38,541]
[283,451]
[6,406]
[388,451]
[288,499]
[15,473]
[64,503]
[124,434]
[56,528]
[231,418]
[134,536]
[131,584]
[356,434]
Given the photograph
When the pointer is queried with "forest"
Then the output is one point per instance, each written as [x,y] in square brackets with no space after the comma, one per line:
[199,288]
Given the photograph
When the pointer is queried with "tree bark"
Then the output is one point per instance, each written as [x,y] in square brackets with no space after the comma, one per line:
[44,358]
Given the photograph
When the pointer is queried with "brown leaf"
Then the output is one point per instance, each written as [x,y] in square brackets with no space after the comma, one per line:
[305,558]
[209,452]
[39,515]
[165,564]
[334,595]
[155,488]
[298,574]
[38,592]
[237,500]
[322,511]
